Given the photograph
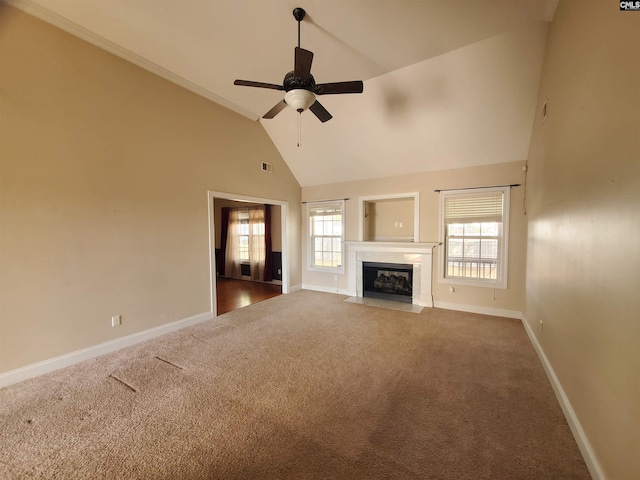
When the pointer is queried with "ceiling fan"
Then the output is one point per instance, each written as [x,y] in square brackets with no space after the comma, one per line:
[300,86]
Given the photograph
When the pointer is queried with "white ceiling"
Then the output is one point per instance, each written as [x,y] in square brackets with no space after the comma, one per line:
[447,83]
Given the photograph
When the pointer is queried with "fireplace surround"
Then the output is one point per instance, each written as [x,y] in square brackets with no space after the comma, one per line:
[418,255]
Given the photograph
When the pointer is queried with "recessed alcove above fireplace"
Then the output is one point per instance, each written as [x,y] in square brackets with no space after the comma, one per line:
[417,255]
[389,218]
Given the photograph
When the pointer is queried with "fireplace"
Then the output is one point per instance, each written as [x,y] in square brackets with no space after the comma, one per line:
[387,281]
[416,255]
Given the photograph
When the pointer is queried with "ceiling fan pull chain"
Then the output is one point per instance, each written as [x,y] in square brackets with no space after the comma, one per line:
[299,129]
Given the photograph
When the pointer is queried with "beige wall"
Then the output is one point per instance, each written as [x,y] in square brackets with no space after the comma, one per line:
[583,270]
[498,174]
[103,193]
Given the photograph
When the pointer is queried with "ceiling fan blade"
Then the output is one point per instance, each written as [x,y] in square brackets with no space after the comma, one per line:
[303,60]
[249,83]
[339,87]
[278,107]
[320,112]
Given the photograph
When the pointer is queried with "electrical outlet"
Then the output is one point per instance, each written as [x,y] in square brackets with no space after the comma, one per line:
[541,325]
[116,320]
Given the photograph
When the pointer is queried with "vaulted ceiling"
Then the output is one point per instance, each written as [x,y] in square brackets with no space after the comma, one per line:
[447,83]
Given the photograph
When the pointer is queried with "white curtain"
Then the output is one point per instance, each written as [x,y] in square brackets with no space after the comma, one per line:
[232,255]
[256,240]
[257,246]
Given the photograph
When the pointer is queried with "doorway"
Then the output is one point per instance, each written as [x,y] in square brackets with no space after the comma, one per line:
[258,292]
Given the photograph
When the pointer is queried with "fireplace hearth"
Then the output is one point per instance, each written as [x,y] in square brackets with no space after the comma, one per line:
[388,281]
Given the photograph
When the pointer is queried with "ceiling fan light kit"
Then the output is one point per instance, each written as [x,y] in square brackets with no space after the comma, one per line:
[300,99]
[300,86]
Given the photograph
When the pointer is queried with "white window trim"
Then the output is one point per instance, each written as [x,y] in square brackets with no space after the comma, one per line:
[503,268]
[310,266]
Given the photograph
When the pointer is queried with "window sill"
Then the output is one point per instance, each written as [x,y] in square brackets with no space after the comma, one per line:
[326,269]
[474,283]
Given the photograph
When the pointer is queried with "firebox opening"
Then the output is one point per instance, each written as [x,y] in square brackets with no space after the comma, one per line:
[388,281]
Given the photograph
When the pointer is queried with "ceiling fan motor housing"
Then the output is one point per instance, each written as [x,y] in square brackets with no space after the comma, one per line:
[294,80]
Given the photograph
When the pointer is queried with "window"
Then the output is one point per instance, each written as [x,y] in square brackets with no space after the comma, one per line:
[475,231]
[245,250]
[326,226]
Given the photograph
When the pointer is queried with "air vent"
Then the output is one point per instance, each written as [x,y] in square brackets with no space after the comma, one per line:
[267,167]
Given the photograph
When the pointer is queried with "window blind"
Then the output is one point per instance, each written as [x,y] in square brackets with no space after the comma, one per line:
[325,210]
[473,207]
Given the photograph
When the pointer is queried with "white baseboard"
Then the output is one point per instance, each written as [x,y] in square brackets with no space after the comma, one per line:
[426,301]
[321,288]
[496,312]
[40,368]
[295,288]
[574,424]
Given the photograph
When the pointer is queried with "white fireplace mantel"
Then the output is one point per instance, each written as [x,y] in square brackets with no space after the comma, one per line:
[420,255]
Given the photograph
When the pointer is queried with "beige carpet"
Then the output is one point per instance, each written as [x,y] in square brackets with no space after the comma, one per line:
[301,386]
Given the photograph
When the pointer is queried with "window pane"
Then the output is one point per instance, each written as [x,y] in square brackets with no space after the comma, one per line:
[472,229]
[489,249]
[471,248]
[317,226]
[490,229]
[455,247]
[456,229]
[328,226]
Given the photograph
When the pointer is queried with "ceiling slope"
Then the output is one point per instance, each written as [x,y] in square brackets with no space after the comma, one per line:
[448,83]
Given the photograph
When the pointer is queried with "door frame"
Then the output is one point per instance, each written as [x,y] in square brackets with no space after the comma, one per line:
[284,213]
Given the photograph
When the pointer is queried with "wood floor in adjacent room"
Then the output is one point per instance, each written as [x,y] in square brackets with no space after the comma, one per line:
[232,294]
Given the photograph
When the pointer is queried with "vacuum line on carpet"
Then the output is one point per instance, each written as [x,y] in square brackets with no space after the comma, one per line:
[223,325]
[123,382]
[170,363]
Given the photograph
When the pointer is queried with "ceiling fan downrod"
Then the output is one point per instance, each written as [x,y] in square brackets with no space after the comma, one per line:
[298,14]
